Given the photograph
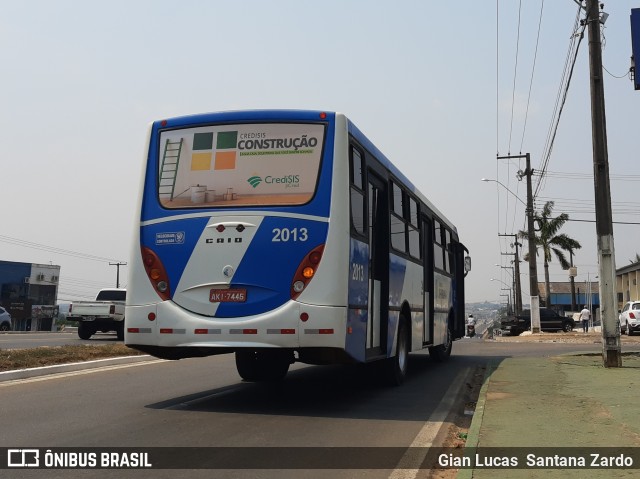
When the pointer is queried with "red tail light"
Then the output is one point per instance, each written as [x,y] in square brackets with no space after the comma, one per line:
[631,315]
[156,273]
[70,307]
[306,271]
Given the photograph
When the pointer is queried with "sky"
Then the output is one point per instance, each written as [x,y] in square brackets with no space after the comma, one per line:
[442,88]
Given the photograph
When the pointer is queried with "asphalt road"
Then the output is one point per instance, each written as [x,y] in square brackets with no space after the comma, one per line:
[202,402]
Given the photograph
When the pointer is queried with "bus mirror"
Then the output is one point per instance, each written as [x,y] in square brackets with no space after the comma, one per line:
[467,264]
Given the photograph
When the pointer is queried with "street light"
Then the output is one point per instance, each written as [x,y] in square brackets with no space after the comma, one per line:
[507,268]
[505,187]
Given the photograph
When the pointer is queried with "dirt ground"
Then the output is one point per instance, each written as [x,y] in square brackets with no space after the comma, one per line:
[576,336]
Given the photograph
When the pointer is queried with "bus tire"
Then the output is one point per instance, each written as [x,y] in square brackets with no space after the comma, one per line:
[120,330]
[442,352]
[84,330]
[255,366]
[395,368]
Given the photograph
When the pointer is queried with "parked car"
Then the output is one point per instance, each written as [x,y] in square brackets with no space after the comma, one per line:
[630,318]
[5,320]
[514,325]
[549,321]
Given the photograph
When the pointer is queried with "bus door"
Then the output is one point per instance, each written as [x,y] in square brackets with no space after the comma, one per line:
[427,245]
[459,328]
[378,317]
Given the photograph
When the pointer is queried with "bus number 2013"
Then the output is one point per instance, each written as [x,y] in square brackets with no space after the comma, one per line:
[283,235]
[357,272]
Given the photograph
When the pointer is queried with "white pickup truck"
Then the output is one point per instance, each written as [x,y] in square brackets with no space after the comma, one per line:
[104,314]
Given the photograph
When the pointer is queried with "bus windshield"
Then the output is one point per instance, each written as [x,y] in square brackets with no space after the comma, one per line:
[239,165]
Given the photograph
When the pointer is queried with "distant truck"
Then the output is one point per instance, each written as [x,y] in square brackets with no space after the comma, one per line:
[104,314]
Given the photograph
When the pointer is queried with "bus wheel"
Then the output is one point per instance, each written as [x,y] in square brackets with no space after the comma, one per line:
[263,365]
[120,330]
[395,368]
[442,352]
[84,330]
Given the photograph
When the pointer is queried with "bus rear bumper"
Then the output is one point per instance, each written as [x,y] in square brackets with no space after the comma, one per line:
[294,325]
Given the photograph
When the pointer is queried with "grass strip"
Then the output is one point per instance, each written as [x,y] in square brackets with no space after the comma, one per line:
[12,359]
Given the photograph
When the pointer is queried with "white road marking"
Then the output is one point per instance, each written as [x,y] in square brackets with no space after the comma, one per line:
[409,465]
[81,372]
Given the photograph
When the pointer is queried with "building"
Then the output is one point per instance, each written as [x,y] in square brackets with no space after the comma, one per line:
[627,288]
[29,292]
[587,293]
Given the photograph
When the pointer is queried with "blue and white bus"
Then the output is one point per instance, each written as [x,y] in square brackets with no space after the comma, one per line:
[286,236]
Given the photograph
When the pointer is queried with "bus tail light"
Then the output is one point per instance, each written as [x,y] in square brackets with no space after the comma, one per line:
[156,273]
[306,271]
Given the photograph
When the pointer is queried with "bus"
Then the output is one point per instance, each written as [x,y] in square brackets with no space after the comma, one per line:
[286,236]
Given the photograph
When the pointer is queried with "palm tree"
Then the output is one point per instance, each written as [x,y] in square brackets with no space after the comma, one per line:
[548,239]
[636,260]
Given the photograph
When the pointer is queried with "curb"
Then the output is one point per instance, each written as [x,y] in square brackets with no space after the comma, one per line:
[473,436]
[65,368]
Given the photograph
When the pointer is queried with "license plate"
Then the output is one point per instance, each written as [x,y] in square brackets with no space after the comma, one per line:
[228,295]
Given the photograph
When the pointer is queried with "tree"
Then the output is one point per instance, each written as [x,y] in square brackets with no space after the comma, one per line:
[636,260]
[550,241]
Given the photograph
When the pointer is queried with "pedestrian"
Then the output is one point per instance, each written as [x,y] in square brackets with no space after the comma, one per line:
[585,315]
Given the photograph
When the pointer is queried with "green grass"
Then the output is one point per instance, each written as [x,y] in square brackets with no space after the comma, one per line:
[11,359]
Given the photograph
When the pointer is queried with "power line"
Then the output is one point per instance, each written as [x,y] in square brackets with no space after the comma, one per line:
[561,99]
[497,78]
[571,175]
[626,75]
[53,249]
[533,69]
[515,76]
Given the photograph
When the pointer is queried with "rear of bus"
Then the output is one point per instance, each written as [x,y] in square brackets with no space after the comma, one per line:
[234,250]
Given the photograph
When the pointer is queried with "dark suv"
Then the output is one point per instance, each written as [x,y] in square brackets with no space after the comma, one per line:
[549,321]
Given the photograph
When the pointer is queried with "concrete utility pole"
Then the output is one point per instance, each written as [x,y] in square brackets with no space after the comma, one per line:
[533,260]
[611,350]
[573,283]
[517,278]
[516,275]
[117,265]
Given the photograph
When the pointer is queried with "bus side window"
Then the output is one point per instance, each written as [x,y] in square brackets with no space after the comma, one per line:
[414,230]
[448,252]
[438,253]
[357,194]
[398,226]
[356,169]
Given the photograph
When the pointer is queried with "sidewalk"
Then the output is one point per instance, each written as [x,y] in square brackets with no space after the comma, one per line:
[558,402]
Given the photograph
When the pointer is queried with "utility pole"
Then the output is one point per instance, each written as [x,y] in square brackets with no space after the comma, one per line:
[573,283]
[509,297]
[611,350]
[533,268]
[516,266]
[516,275]
[117,265]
